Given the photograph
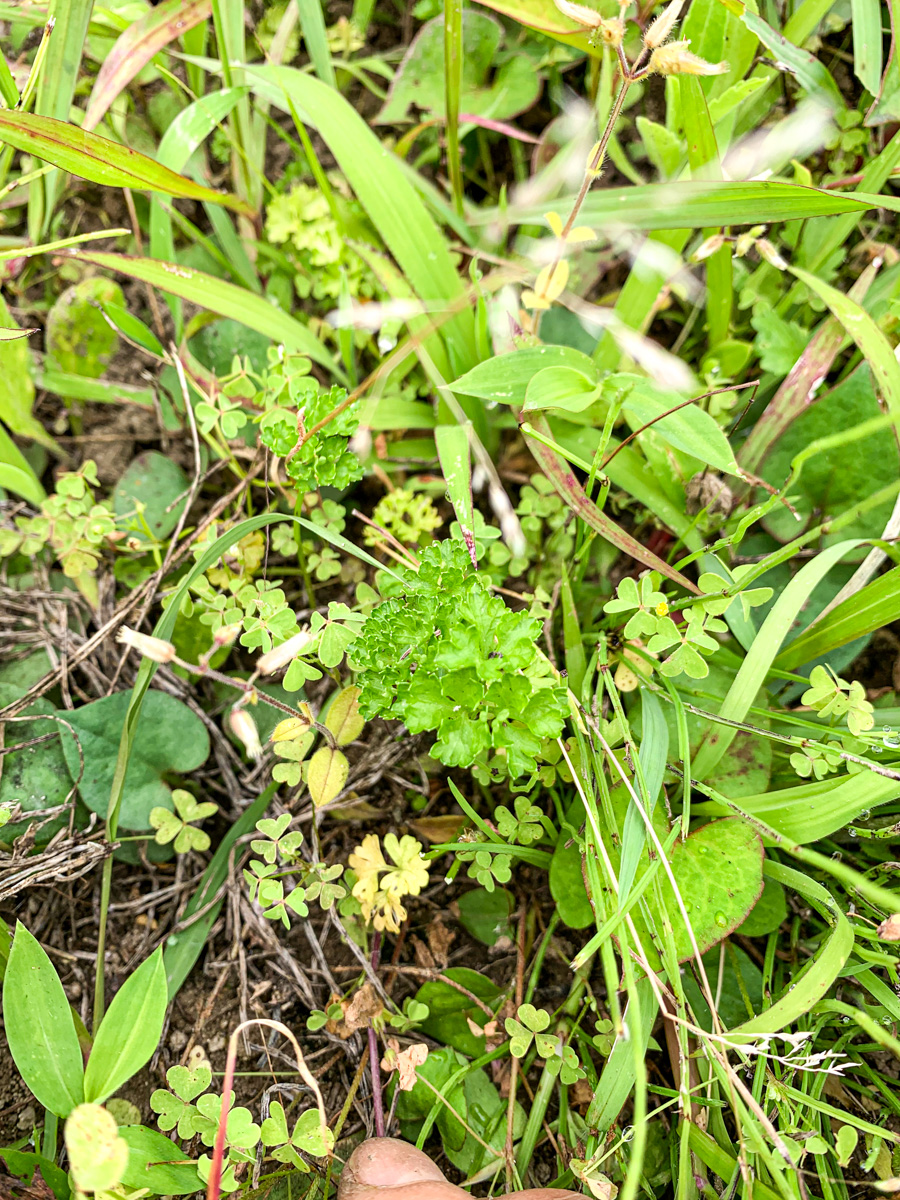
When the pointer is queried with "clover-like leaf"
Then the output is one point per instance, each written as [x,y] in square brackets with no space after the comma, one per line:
[173,1111]
[189,1082]
[274,1129]
[647,604]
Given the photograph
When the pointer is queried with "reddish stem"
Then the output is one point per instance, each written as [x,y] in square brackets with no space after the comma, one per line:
[374,1065]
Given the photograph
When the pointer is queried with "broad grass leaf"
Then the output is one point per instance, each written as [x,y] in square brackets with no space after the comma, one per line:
[690,429]
[16,475]
[385,190]
[505,378]
[100,160]
[876,605]
[39,1027]
[452,442]
[130,1030]
[158,1164]
[136,46]
[170,738]
[218,296]
[562,388]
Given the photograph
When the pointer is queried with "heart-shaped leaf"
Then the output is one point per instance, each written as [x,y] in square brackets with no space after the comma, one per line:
[274,1130]
[188,1082]
[274,827]
[169,738]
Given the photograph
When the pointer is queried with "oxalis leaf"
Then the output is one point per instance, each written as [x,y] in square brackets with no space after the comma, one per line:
[169,738]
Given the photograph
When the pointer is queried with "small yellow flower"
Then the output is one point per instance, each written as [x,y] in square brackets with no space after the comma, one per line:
[367,859]
[662,609]
[389,913]
[581,233]
[549,286]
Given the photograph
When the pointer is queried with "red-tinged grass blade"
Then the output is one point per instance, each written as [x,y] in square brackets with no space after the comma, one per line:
[557,471]
[223,298]
[99,160]
[136,47]
[452,443]
[875,606]
[797,391]
[697,205]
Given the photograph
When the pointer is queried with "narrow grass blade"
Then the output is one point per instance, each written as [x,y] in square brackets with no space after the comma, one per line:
[814,980]
[877,605]
[813,810]
[703,157]
[55,92]
[868,49]
[656,206]
[384,190]
[99,160]
[857,323]
[453,60]
[136,47]
[8,90]
[312,22]
[812,74]
[557,471]
[758,661]
[219,297]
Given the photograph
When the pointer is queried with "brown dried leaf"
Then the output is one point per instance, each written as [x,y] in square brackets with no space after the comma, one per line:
[358,1012]
[438,830]
[440,939]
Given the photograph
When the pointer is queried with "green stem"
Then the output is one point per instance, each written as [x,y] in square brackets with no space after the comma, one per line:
[453,56]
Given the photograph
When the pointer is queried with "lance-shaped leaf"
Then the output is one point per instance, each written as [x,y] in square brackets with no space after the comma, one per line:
[100,160]
[137,46]
[568,487]
[452,443]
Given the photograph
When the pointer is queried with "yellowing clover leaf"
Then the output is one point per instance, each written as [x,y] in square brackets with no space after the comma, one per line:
[175,826]
[97,1155]
[411,873]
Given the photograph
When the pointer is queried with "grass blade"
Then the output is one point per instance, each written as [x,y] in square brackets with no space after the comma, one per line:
[878,604]
[99,160]
[219,297]
[55,92]
[383,189]
[136,47]
[312,22]
[557,471]
[453,60]
[656,206]
[452,443]
[755,666]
